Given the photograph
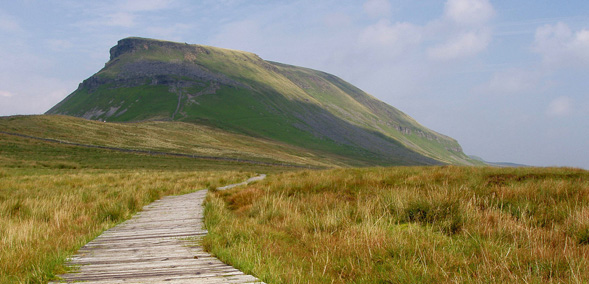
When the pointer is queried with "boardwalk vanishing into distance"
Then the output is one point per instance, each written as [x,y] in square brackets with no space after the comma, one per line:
[157,245]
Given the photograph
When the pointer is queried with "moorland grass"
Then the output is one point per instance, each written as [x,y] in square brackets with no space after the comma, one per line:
[55,197]
[407,225]
[176,137]
[45,216]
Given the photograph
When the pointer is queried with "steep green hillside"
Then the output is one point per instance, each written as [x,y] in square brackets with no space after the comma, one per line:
[239,92]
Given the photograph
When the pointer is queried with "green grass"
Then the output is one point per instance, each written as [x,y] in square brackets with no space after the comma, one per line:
[131,103]
[250,113]
[407,225]
[17,152]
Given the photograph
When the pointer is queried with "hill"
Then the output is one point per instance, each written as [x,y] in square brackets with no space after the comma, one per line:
[182,139]
[498,164]
[236,91]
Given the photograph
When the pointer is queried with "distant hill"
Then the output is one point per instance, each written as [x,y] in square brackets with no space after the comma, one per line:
[498,164]
[236,91]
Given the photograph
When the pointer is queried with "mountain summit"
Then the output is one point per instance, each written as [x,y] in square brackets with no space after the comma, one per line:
[148,79]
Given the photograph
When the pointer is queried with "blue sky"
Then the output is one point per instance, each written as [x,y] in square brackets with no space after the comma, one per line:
[508,79]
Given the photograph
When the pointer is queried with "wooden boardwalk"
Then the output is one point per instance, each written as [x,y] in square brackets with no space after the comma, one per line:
[155,246]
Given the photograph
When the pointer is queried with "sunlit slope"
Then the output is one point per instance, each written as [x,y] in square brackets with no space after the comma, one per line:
[239,92]
[172,137]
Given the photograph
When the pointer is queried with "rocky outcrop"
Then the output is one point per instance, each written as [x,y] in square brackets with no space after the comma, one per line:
[132,44]
[166,73]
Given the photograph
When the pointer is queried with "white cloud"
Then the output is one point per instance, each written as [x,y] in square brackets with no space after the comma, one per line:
[561,106]
[464,45]
[558,45]
[469,12]
[377,8]
[6,94]
[390,39]
[462,32]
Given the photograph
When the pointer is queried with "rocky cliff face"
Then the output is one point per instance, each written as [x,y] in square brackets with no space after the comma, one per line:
[238,91]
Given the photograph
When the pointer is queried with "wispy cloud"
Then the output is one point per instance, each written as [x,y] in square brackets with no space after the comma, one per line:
[465,29]
[59,44]
[463,45]
[119,19]
[560,46]
[511,82]
[561,106]
[388,39]
[9,23]
[469,12]
[6,94]
[125,14]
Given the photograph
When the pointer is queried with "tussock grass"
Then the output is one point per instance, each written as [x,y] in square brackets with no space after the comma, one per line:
[47,215]
[407,225]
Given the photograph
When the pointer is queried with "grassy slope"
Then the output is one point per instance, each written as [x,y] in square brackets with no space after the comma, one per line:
[175,137]
[407,225]
[346,101]
[325,91]
[54,197]
[242,111]
[156,101]
[272,101]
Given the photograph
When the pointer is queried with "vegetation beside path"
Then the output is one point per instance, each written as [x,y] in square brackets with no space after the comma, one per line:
[406,225]
[55,197]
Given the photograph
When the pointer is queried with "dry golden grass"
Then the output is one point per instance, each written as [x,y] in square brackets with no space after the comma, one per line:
[407,225]
[45,215]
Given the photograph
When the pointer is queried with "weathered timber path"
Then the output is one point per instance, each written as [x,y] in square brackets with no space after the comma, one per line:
[157,245]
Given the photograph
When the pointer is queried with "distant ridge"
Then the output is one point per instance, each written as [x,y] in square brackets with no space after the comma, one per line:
[237,91]
[498,164]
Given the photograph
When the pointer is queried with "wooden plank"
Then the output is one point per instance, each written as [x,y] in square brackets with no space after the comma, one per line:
[154,247]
